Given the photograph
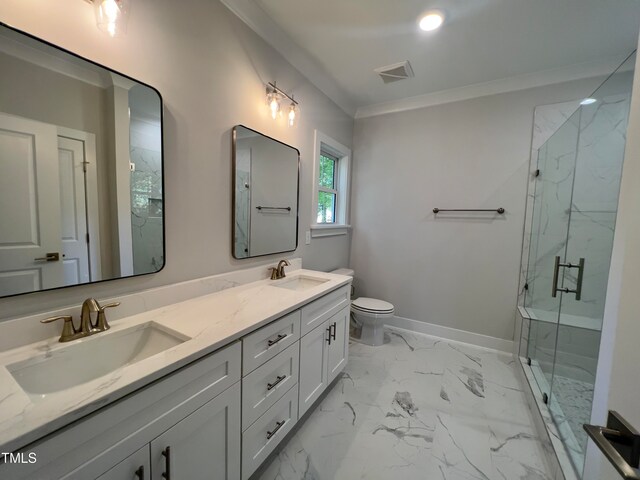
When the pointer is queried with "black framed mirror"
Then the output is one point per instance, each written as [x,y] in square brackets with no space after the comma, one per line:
[81,170]
[266,189]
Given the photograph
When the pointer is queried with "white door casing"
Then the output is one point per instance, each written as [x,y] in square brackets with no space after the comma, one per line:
[84,144]
[73,212]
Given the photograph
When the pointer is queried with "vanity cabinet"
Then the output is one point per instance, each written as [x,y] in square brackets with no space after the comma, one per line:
[218,417]
[110,441]
[323,354]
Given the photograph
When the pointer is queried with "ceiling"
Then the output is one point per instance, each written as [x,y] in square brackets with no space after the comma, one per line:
[339,43]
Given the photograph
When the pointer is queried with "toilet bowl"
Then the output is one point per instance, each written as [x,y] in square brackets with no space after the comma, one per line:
[370,315]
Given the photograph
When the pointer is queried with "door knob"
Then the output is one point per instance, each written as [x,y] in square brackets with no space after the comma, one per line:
[49,257]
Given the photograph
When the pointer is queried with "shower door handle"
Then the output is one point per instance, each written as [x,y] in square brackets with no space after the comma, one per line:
[556,275]
[620,443]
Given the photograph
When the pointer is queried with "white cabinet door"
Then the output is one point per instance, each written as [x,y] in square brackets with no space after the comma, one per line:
[339,345]
[203,446]
[313,366]
[134,467]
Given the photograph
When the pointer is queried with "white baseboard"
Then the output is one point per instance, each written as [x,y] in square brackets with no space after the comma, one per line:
[452,334]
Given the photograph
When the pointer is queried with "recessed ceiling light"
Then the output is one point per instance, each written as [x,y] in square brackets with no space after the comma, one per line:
[588,101]
[431,21]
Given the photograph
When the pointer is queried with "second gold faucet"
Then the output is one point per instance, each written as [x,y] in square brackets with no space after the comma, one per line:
[278,272]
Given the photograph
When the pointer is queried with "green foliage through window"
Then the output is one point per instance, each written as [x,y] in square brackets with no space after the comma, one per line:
[327,189]
[327,172]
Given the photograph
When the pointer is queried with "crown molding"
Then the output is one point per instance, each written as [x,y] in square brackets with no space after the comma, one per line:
[261,23]
[511,84]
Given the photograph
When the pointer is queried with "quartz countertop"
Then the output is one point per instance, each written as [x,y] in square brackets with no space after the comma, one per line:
[207,323]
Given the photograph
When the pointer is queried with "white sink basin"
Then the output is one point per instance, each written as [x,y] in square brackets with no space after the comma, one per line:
[301,282]
[91,358]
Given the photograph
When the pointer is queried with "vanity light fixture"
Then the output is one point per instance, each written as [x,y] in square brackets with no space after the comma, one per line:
[275,96]
[112,15]
[431,21]
[588,101]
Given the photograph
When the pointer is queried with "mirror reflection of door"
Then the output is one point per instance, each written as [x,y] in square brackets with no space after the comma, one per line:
[43,228]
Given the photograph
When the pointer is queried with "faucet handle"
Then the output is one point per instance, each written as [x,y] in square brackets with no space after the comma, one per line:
[101,322]
[274,273]
[68,330]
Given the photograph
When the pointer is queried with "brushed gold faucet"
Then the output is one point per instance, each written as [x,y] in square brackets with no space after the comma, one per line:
[87,324]
[278,272]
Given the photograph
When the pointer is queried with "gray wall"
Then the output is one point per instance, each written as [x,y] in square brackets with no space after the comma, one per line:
[211,70]
[458,271]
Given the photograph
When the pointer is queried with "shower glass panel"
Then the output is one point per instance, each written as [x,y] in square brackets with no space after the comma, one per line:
[574,212]
[552,202]
[594,205]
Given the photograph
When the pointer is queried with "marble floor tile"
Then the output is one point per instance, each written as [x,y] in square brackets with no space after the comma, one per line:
[418,407]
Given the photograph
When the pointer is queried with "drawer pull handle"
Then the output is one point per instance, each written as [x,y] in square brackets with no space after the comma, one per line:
[281,336]
[166,453]
[140,472]
[334,327]
[275,430]
[279,378]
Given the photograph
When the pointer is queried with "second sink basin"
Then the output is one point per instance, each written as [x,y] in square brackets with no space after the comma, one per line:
[301,282]
[92,358]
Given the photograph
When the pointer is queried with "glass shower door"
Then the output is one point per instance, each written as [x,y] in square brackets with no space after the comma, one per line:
[591,224]
[551,214]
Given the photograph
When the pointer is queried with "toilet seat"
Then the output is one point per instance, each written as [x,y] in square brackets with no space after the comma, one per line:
[371,305]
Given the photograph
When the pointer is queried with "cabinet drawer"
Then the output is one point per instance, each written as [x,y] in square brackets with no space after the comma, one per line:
[269,341]
[259,440]
[318,311]
[267,383]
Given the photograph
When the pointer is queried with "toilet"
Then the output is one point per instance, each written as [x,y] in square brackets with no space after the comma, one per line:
[369,314]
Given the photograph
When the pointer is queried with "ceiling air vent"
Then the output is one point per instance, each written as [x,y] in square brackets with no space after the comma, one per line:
[395,72]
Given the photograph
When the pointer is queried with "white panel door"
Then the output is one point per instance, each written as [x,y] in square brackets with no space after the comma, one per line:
[203,446]
[73,211]
[339,346]
[29,206]
[313,366]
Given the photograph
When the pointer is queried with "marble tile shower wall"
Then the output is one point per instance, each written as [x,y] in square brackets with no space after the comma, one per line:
[146,210]
[598,131]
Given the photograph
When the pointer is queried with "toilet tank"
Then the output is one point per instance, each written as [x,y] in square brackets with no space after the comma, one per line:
[343,271]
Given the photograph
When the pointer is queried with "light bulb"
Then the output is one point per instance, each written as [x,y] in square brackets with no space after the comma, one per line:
[110,9]
[111,15]
[431,21]
[274,106]
[292,114]
[588,101]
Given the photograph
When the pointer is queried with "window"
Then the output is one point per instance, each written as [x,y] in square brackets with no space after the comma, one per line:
[331,186]
[327,188]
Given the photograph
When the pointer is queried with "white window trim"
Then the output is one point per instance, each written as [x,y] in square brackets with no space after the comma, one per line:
[343,180]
